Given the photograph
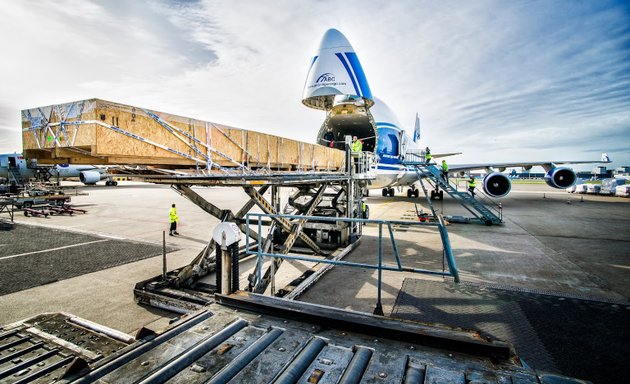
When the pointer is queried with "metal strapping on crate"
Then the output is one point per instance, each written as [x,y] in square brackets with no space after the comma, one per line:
[172,129]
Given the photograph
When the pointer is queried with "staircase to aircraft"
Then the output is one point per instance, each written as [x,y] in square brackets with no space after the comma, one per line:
[480,210]
[15,178]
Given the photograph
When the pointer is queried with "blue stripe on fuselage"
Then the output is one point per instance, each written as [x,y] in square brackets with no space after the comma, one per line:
[358,72]
[389,125]
[345,64]
[312,62]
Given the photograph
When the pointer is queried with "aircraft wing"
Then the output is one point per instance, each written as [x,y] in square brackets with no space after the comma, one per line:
[439,155]
[547,165]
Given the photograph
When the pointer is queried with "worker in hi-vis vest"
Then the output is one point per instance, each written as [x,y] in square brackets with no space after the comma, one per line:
[444,171]
[357,147]
[427,155]
[173,216]
[471,185]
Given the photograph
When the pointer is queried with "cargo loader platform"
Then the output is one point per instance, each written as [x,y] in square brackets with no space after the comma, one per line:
[247,338]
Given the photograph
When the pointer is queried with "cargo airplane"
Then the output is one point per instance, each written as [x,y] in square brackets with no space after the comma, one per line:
[337,84]
[28,169]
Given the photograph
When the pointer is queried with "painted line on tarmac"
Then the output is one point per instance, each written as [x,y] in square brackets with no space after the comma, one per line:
[52,249]
[74,229]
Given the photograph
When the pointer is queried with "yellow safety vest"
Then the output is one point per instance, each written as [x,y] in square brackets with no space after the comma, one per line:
[173,215]
[445,167]
[427,156]
[357,146]
[471,183]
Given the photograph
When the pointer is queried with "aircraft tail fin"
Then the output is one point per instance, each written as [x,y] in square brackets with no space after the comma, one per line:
[606,158]
[416,130]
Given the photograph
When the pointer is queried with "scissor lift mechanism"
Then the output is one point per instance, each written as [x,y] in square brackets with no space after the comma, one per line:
[317,193]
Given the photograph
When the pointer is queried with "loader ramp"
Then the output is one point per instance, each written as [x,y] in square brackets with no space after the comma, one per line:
[248,338]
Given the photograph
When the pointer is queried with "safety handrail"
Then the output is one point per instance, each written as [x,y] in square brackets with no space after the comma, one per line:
[380,266]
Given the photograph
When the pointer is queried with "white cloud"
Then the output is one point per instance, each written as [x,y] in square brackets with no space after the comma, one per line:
[502,81]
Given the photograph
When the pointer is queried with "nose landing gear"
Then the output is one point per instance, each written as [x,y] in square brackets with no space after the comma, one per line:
[413,191]
[437,195]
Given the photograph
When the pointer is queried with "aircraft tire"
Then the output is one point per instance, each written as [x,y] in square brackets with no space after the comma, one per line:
[385,192]
[409,192]
[432,195]
[391,192]
[441,195]
[416,193]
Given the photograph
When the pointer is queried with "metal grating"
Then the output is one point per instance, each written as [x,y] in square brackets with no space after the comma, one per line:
[49,347]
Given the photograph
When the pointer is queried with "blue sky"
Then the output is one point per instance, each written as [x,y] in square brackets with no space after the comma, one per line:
[497,80]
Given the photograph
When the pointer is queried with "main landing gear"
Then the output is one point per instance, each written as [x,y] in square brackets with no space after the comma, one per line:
[111,182]
[388,192]
[437,195]
[413,191]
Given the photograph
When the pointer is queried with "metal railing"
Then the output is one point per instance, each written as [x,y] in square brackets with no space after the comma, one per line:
[364,163]
[415,156]
[380,266]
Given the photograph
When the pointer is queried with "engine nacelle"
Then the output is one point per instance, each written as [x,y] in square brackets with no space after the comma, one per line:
[496,184]
[560,178]
[90,177]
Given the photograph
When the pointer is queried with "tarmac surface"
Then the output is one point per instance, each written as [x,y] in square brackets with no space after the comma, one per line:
[552,242]
[59,255]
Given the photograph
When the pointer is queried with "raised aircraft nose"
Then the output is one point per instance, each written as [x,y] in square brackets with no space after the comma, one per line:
[335,70]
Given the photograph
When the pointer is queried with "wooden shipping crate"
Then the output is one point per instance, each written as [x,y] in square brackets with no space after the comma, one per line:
[102,132]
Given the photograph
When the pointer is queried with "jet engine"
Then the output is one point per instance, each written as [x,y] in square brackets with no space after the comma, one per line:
[496,184]
[560,178]
[90,177]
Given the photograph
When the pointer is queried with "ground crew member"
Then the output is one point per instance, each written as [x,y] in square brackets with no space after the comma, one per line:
[357,145]
[365,213]
[427,155]
[471,185]
[329,138]
[445,170]
[173,216]
[356,148]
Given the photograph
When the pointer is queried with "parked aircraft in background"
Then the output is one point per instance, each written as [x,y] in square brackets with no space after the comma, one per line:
[14,165]
[337,84]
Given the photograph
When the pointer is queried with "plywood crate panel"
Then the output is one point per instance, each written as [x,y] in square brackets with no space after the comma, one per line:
[103,132]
